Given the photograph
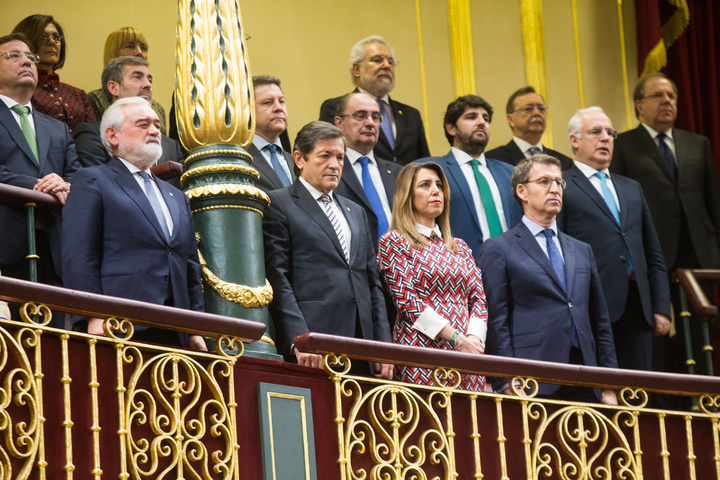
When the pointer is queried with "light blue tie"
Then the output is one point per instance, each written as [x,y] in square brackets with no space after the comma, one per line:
[155,204]
[386,125]
[277,166]
[374,197]
[610,201]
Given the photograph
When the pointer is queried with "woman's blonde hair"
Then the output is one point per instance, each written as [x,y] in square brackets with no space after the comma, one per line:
[403,212]
[118,38]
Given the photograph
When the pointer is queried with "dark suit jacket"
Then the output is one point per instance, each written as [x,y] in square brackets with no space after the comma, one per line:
[18,167]
[314,288]
[350,187]
[529,313]
[464,221]
[512,154]
[91,151]
[410,141]
[694,195]
[114,245]
[586,217]
[269,180]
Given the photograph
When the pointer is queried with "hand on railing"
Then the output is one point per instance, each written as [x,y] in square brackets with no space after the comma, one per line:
[53,184]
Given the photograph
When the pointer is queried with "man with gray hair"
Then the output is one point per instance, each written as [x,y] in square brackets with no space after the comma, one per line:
[122,77]
[372,70]
[610,213]
[319,255]
[129,234]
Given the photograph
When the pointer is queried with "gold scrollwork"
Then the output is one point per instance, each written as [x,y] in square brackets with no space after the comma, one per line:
[178,420]
[218,167]
[31,309]
[248,297]
[227,189]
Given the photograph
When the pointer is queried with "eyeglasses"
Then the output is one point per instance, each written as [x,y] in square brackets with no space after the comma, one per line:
[546,182]
[16,56]
[528,109]
[55,37]
[596,132]
[379,59]
[362,115]
[659,96]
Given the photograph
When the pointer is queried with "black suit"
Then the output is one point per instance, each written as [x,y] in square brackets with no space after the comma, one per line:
[410,141]
[686,210]
[586,217]
[512,154]
[269,180]
[315,289]
[350,187]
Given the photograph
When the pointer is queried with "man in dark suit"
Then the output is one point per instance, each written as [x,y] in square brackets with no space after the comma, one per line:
[122,77]
[128,234]
[482,203]
[372,68]
[367,180]
[545,300]
[319,257]
[275,166]
[36,152]
[527,117]
[609,212]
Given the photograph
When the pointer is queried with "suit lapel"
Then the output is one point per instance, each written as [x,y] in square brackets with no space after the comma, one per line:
[8,121]
[309,205]
[529,243]
[454,171]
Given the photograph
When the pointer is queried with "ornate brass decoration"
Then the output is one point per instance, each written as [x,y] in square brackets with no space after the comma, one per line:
[248,297]
[217,207]
[227,189]
[219,167]
[31,309]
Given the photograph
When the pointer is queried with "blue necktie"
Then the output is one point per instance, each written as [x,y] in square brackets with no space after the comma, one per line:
[559,267]
[155,204]
[610,201]
[374,198]
[667,154]
[386,125]
[277,166]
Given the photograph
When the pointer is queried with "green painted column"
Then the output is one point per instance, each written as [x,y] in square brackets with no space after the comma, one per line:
[215,117]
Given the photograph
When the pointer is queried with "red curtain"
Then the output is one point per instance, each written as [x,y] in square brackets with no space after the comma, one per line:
[691,58]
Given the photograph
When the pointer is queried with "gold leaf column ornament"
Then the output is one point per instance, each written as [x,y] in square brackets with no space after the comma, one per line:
[215,108]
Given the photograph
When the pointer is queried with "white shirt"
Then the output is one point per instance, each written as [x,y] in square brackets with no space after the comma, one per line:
[669,140]
[260,143]
[353,157]
[141,181]
[316,194]
[537,231]
[591,175]
[525,146]
[11,103]
[463,160]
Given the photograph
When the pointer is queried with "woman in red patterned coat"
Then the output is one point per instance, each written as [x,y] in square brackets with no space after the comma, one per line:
[433,279]
[52,97]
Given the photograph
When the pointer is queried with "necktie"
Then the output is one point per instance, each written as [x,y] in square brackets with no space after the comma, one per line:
[155,204]
[487,200]
[667,154]
[386,125]
[27,129]
[559,267]
[277,166]
[330,212]
[610,201]
[374,197]
[534,151]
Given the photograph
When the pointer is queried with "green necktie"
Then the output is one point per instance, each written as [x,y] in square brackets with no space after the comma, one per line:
[487,200]
[27,129]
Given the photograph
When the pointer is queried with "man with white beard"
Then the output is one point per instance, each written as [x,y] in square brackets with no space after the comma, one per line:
[130,234]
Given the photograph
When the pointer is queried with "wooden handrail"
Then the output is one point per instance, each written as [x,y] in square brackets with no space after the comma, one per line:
[688,279]
[495,366]
[141,313]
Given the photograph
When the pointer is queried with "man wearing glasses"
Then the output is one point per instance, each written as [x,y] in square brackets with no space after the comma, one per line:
[366,179]
[527,117]
[609,212]
[36,152]
[545,300]
[372,69]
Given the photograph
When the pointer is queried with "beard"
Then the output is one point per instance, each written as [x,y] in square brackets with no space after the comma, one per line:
[142,156]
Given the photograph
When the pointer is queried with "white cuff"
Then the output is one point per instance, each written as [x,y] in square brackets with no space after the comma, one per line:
[478,328]
[429,323]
